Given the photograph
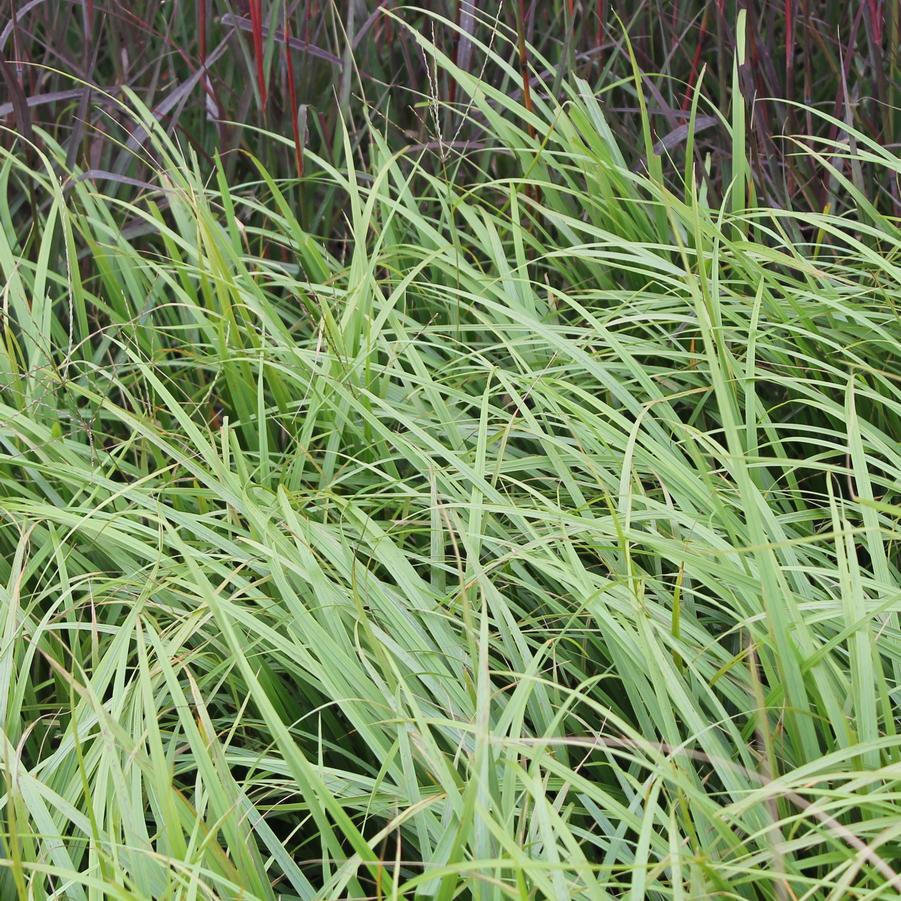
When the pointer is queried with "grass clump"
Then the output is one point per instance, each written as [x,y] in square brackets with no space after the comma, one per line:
[532,535]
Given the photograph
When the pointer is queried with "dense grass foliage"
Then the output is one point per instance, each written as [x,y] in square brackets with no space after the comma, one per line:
[531,535]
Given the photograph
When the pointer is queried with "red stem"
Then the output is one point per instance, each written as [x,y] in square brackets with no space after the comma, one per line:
[524,62]
[601,17]
[789,40]
[695,63]
[256,22]
[292,99]
[201,27]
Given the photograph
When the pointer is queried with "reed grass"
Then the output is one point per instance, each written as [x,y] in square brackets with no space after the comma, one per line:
[524,525]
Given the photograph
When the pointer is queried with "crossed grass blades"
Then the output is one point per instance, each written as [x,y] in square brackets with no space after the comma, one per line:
[533,536]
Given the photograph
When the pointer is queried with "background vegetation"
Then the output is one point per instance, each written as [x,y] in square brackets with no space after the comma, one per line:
[213,71]
[456,458]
